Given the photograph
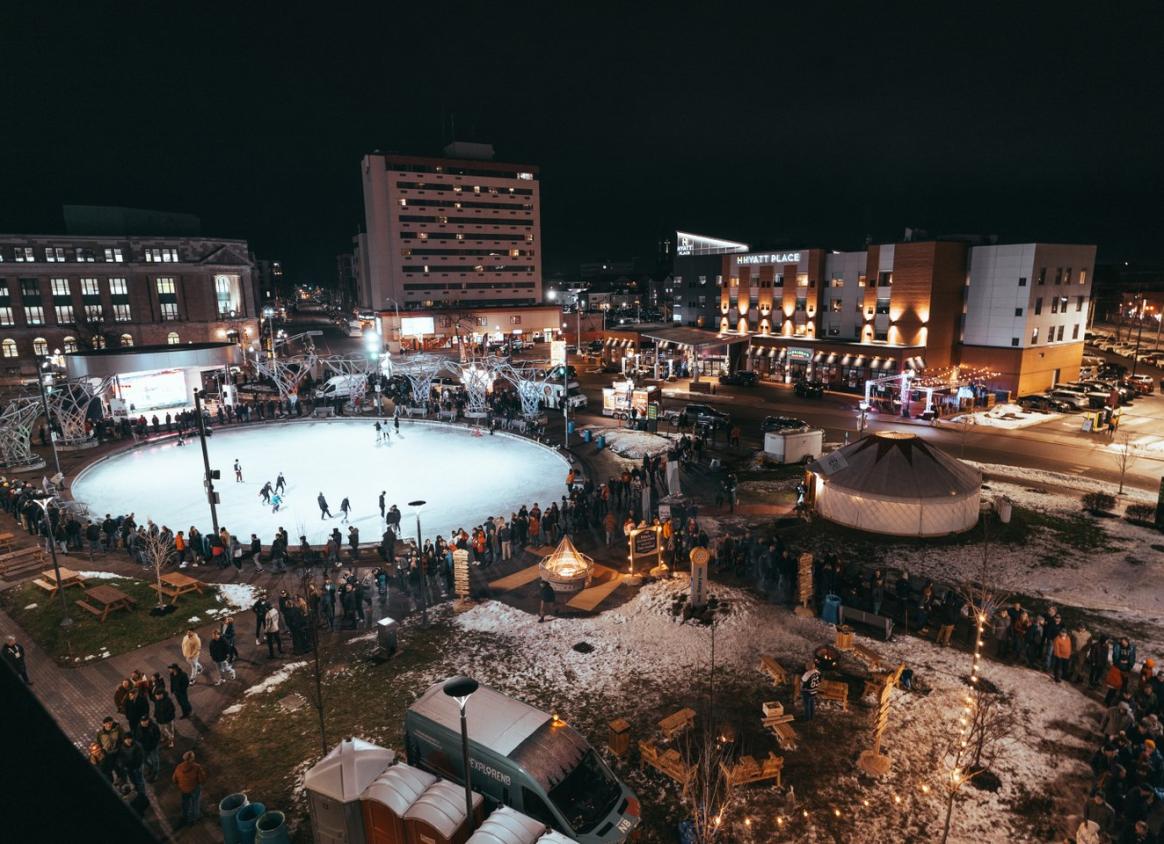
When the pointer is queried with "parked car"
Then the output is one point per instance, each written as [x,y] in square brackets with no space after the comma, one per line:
[782,423]
[809,389]
[1142,383]
[707,415]
[742,378]
[1043,404]
[1077,401]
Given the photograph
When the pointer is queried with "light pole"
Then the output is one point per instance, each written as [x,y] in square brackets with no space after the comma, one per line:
[399,331]
[42,365]
[416,505]
[209,476]
[460,689]
[43,503]
[1139,334]
[269,314]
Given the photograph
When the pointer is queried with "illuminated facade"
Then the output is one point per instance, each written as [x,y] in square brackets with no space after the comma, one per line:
[462,229]
[1020,310]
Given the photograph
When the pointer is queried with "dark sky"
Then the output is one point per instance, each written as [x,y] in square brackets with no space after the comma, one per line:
[788,127]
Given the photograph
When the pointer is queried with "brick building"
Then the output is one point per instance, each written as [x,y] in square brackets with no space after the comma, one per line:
[73,292]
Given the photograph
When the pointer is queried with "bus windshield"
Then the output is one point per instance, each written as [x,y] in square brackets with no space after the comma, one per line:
[587,794]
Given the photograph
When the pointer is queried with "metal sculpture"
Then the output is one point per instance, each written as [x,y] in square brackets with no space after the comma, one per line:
[477,376]
[18,413]
[286,373]
[421,370]
[530,379]
[69,404]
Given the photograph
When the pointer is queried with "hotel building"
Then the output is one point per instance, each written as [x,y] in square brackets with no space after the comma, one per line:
[462,229]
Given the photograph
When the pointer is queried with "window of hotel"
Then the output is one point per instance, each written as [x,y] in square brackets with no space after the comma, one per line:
[1054,304]
[173,339]
[126,340]
[837,282]
[1042,275]
[113,254]
[882,306]
[525,176]
[5,314]
[118,287]
[1075,331]
[34,314]
[885,279]
[515,320]
[161,256]
[881,335]
[85,255]
[703,279]
[1022,281]
[64,314]
[835,305]
[1034,335]
[23,254]
[861,281]
[778,281]
[1058,275]
[1083,276]
[167,298]
[719,281]
[60,287]
[30,291]
[1038,306]
[1014,341]
[1067,276]
[1078,304]
[40,347]
[1059,333]
[54,254]
[121,313]
[226,288]
[802,279]
[1018,311]
[9,348]
[94,313]
[70,345]
[98,341]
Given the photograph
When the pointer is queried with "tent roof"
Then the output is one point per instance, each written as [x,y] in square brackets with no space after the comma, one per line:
[399,787]
[345,772]
[697,338]
[507,826]
[442,806]
[891,464]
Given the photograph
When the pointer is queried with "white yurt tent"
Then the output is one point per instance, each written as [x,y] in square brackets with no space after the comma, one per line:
[896,483]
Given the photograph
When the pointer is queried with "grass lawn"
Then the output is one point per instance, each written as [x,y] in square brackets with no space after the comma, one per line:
[88,639]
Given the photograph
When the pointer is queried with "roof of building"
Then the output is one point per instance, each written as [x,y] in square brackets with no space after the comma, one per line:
[892,464]
[696,338]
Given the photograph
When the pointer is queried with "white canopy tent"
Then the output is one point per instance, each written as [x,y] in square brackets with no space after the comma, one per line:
[896,483]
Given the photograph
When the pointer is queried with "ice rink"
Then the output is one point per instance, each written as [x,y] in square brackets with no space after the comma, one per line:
[463,478]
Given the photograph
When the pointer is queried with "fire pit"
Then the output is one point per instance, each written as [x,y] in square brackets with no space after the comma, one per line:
[566,569]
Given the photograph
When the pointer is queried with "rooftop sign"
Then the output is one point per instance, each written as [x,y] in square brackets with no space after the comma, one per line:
[769,258]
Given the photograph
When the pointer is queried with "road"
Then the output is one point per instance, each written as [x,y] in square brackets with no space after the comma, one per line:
[1057,445]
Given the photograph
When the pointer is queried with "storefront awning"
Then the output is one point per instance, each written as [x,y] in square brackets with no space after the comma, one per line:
[846,360]
[889,363]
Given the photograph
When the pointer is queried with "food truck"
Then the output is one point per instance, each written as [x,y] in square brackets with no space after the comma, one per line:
[621,396]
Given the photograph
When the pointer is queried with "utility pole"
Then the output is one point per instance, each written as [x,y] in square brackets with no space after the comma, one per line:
[209,474]
[1139,334]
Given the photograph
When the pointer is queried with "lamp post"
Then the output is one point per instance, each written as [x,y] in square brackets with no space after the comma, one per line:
[1139,334]
[209,476]
[42,365]
[269,315]
[416,505]
[460,689]
[43,503]
[399,332]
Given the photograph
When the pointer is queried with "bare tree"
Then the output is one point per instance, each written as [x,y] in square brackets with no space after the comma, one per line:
[710,794]
[1125,457]
[157,551]
[984,723]
[986,591]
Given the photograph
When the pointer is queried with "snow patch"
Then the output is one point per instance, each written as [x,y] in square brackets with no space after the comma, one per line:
[1008,416]
[634,444]
[100,575]
[240,596]
[32,606]
[275,680]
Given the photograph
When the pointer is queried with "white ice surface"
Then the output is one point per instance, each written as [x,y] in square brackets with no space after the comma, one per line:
[463,478]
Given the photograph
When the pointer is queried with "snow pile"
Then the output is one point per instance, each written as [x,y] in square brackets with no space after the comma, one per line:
[32,606]
[1009,416]
[100,575]
[1075,483]
[275,680]
[240,596]
[634,444]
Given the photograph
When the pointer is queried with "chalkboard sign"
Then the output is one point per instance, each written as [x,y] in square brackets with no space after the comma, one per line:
[645,542]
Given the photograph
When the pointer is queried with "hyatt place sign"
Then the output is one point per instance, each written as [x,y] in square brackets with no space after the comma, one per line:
[770,258]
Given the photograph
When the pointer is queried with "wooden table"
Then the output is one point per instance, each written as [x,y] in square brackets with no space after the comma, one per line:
[48,580]
[103,600]
[674,724]
[176,584]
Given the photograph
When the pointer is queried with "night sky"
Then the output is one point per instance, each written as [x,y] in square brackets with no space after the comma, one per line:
[791,127]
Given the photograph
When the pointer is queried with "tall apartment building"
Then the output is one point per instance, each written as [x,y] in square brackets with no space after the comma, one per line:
[461,229]
[76,292]
[844,317]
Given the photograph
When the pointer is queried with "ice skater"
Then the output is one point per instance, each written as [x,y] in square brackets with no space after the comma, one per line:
[237,472]
[379,431]
[265,493]
[396,420]
[346,509]
[324,512]
[275,501]
[280,484]
[382,494]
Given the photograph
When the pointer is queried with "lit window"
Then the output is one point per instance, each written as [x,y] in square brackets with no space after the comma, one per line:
[34,315]
[1083,276]
[64,314]
[525,176]
[403,202]
[1034,335]
[9,348]
[118,287]
[98,341]
[121,313]
[23,254]
[60,286]
[6,314]
[173,339]
[70,344]
[126,340]
[85,255]
[54,254]
[40,347]
[113,254]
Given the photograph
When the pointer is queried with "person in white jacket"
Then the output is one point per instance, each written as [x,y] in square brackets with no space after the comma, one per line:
[271,630]
[191,652]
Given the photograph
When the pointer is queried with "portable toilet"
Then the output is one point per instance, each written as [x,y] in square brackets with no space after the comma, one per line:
[388,798]
[438,815]
[555,837]
[508,826]
[334,786]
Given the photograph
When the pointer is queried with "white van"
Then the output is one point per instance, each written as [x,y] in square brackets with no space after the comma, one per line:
[552,391]
[342,387]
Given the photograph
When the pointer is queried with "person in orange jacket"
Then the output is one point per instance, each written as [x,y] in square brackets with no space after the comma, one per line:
[1061,654]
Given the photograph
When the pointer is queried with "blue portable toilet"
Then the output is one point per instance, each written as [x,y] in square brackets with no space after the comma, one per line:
[830,613]
[586,435]
[569,426]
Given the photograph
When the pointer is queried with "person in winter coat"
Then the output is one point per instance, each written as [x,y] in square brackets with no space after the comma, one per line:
[220,653]
[180,686]
[149,738]
[259,608]
[1061,655]
[192,653]
[230,637]
[136,705]
[13,654]
[131,761]
[120,694]
[809,687]
[189,776]
[109,738]
[546,596]
[1117,718]
[1114,682]
[1123,657]
[1080,639]
[164,715]
[1099,810]
[1097,660]
[271,631]
[101,761]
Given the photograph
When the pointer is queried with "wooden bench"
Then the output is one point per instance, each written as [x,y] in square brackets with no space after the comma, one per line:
[669,763]
[868,656]
[773,669]
[748,770]
[85,605]
[677,722]
[834,691]
[19,563]
[19,553]
[880,623]
[781,727]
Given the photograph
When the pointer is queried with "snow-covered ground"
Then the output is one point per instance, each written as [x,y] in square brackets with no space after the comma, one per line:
[634,444]
[1009,416]
[463,478]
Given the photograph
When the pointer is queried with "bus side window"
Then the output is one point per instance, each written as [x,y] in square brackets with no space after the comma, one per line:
[505,794]
[536,808]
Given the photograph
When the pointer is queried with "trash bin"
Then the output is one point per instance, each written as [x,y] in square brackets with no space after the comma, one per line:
[246,819]
[585,435]
[569,426]
[602,440]
[386,634]
[272,829]
[228,807]
[831,611]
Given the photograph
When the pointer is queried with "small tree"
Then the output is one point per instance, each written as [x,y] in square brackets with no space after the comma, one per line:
[984,723]
[157,551]
[1124,456]
[710,794]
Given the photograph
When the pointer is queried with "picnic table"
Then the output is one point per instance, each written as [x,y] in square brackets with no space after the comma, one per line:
[6,538]
[748,770]
[677,722]
[102,600]
[48,580]
[175,584]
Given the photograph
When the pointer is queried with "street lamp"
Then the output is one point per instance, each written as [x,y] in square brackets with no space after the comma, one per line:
[43,367]
[399,332]
[416,505]
[210,475]
[269,315]
[460,689]
[44,503]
